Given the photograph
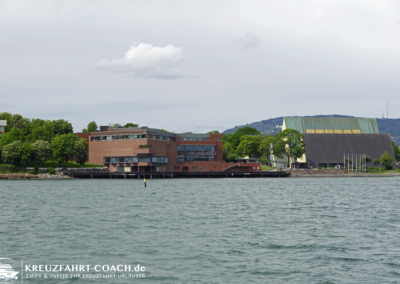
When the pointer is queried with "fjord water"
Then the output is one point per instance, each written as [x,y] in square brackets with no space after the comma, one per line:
[310,230]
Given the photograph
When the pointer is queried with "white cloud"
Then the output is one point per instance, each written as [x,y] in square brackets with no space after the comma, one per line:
[249,41]
[144,60]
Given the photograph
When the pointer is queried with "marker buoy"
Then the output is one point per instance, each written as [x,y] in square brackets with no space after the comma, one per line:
[144,182]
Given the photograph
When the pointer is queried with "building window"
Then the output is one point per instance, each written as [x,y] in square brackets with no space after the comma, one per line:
[120,159]
[135,159]
[194,169]
[114,160]
[159,160]
[181,148]
[219,139]
[145,159]
[2,128]
[199,148]
[128,160]
[189,148]
[181,158]
[202,168]
[120,169]
[107,160]
[176,168]
[208,148]
[127,169]
[189,158]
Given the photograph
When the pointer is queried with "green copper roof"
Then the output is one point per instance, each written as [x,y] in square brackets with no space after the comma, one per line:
[366,125]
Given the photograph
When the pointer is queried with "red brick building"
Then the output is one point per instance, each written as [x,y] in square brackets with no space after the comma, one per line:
[151,150]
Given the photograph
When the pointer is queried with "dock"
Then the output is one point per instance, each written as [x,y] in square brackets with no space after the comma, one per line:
[150,175]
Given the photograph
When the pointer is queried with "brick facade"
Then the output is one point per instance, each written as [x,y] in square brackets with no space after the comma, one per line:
[152,146]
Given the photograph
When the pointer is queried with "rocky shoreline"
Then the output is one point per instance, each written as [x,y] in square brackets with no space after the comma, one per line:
[26,176]
[337,173]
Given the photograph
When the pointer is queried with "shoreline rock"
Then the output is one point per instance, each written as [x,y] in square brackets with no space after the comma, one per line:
[27,176]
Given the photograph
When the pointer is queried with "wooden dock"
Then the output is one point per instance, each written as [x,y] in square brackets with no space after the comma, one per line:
[150,175]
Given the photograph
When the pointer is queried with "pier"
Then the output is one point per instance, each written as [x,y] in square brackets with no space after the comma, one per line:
[151,175]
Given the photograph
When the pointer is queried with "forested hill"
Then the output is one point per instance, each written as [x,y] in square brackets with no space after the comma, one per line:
[273,126]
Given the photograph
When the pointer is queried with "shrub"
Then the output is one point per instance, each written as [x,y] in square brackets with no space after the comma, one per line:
[386,159]
[376,162]
[13,169]
[389,167]
[35,170]
[51,171]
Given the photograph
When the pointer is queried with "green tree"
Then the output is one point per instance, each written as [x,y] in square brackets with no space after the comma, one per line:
[163,130]
[130,125]
[247,130]
[265,148]
[13,135]
[41,151]
[366,158]
[386,160]
[396,151]
[294,146]
[376,162]
[347,161]
[63,147]
[91,127]
[10,153]
[40,133]
[25,153]
[37,122]
[81,151]
[21,123]
[61,126]
[229,154]
[213,132]
[6,116]
[115,125]
[248,146]
[188,132]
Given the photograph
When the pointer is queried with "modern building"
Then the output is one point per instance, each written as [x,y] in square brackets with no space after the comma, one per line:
[329,140]
[144,149]
[3,124]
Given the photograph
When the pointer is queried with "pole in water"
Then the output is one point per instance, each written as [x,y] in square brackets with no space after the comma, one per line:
[144,182]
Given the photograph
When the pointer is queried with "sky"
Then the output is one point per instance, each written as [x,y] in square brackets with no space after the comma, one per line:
[198,65]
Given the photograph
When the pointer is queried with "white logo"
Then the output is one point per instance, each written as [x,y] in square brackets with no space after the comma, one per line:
[6,271]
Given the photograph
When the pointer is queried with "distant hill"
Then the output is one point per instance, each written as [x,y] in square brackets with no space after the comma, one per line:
[272,126]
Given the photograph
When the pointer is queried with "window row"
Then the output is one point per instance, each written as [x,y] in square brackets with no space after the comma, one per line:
[200,148]
[193,168]
[182,158]
[131,137]
[193,139]
[130,160]
[134,169]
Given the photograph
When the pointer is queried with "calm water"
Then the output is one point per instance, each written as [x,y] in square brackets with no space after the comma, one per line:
[322,230]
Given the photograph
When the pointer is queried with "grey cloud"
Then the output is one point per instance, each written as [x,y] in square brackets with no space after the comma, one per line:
[247,42]
[6,104]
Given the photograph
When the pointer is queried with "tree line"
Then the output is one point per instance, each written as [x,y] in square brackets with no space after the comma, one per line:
[248,141]
[34,141]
